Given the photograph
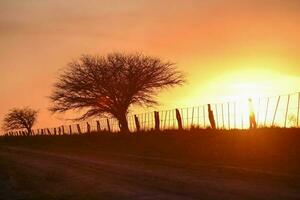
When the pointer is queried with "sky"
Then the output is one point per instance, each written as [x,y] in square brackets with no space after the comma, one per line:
[227,49]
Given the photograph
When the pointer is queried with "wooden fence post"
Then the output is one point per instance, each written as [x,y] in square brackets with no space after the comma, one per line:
[49,133]
[42,131]
[137,123]
[222,110]
[78,129]
[275,110]
[192,123]
[234,114]
[267,111]
[63,129]
[169,119]
[156,119]
[287,110]
[178,117]
[54,131]
[98,127]
[88,128]
[70,129]
[108,125]
[144,121]
[211,117]
[228,105]
[252,120]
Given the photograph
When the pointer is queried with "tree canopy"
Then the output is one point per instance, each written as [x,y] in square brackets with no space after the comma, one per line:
[20,118]
[110,84]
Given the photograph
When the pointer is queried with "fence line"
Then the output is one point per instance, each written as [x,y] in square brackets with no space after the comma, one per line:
[274,111]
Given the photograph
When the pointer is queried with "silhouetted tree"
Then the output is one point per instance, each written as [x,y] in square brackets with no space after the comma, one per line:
[110,84]
[20,119]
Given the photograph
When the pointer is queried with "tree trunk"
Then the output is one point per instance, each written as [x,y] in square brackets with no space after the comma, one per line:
[123,124]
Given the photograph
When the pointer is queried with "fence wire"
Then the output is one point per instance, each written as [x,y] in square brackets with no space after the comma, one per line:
[276,111]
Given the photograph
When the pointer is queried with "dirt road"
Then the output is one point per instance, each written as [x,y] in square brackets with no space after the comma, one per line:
[34,174]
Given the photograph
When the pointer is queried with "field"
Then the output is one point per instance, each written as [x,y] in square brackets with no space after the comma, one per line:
[199,164]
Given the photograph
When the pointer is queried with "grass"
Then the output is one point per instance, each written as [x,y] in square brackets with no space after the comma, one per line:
[248,156]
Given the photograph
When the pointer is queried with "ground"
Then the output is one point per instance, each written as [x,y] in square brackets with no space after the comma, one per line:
[200,164]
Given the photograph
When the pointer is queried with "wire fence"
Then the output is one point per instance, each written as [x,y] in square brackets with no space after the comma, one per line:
[276,111]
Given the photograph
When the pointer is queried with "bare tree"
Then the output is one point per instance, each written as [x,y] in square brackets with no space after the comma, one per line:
[102,85]
[20,119]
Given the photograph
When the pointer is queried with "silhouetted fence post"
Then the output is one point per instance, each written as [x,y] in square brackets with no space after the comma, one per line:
[228,109]
[54,131]
[98,126]
[252,120]
[211,117]
[287,110]
[137,123]
[234,114]
[222,110]
[70,129]
[42,131]
[78,129]
[144,121]
[49,133]
[266,111]
[156,119]
[108,125]
[63,130]
[178,117]
[275,110]
[88,128]
[192,117]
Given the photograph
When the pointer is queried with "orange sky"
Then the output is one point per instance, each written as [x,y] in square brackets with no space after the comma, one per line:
[227,48]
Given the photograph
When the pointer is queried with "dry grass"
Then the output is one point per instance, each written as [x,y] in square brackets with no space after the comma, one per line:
[259,164]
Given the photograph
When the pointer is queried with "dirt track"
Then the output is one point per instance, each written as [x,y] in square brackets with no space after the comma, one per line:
[125,176]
